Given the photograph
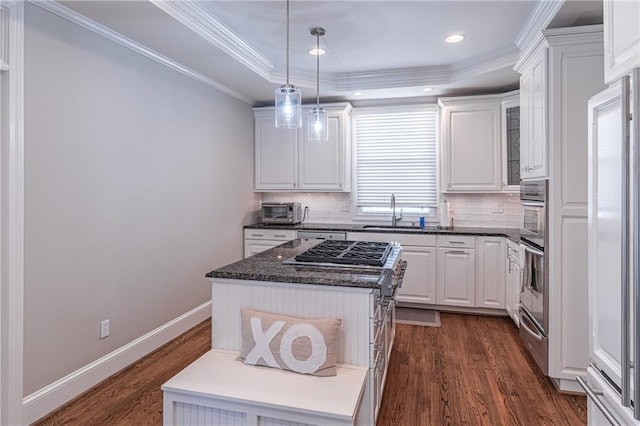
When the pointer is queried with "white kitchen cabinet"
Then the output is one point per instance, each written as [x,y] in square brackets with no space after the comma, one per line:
[285,160]
[559,57]
[419,285]
[510,128]
[456,278]
[513,281]
[259,240]
[490,286]
[533,123]
[575,73]
[471,143]
[276,153]
[451,270]
[621,38]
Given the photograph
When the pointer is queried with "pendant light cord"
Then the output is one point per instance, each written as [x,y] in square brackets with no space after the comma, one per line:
[287,42]
[318,70]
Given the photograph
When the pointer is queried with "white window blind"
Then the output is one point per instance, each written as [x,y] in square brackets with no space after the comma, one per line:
[396,154]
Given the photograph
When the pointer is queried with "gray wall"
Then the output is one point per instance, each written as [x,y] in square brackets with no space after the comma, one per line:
[138,181]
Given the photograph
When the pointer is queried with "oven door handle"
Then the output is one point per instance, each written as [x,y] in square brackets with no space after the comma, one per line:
[524,320]
[530,249]
[532,203]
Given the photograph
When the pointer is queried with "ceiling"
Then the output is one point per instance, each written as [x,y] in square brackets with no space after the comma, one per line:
[384,49]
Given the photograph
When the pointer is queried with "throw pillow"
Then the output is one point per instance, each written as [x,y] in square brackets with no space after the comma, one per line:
[308,346]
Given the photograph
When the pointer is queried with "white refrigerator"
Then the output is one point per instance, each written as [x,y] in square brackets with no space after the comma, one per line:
[613,376]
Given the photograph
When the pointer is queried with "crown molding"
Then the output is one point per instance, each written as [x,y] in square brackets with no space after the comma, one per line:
[484,64]
[78,19]
[588,33]
[425,76]
[385,79]
[559,36]
[194,17]
[539,19]
[526,55]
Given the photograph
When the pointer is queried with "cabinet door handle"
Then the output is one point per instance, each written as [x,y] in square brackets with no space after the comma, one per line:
[279,236]
[456,242]
[257,235]
[457,252]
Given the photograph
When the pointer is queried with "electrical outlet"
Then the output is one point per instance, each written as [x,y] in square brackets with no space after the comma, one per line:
[104,329]
[498,208]
[345,207]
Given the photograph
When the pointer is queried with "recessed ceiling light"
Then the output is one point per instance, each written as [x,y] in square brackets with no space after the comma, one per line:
[427,89]
[316,52]
[454,38]
[357,93]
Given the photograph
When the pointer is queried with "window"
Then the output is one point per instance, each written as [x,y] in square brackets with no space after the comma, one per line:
[396,154]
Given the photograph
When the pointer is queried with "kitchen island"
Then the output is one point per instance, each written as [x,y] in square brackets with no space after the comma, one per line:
[266,282]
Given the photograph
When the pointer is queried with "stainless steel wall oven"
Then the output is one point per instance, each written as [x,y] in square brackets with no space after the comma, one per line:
[534,289]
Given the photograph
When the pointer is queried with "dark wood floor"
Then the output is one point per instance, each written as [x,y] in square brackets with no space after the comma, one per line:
[470,371]
[473,370]
[133,396]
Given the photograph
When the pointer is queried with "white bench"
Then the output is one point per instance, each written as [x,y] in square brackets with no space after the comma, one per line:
[218,390]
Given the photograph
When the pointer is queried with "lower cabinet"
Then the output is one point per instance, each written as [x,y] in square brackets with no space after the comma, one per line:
[419,285]
[513,280]
[456,277]
[490,274]
[259,240]
[453,270]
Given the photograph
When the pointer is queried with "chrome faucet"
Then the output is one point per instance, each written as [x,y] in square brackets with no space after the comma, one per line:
[394,218]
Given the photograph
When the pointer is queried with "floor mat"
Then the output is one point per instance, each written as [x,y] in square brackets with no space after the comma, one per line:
[424,317]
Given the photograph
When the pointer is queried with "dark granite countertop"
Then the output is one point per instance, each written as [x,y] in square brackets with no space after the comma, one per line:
[268,266]
[511,233]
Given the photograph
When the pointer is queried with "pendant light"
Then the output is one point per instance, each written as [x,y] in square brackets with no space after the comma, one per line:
[288,98]
[318,129]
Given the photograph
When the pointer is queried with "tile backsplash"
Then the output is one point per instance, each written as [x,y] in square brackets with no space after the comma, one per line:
[486,210]
[483,210]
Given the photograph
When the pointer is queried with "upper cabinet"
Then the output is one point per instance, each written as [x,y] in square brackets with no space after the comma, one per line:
[285,160]
[558,74]
[473,145]
[621,38]
[511,141]
[533,109]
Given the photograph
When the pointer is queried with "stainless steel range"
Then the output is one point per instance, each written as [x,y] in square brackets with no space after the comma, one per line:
[358,255]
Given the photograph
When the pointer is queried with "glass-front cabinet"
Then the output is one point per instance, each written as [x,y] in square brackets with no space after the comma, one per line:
[511,141]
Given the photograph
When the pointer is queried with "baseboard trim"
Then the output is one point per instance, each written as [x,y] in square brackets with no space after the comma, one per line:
[455,309]
[52,396]
[568,386]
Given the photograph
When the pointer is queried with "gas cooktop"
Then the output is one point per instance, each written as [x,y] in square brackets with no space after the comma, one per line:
[362,253]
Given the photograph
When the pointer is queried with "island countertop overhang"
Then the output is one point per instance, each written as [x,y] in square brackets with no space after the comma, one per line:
[268,266]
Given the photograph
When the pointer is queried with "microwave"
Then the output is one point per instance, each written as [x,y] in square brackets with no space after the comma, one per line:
[283,213]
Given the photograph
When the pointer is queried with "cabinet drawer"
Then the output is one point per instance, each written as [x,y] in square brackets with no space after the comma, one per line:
[457,241]
[270,234]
